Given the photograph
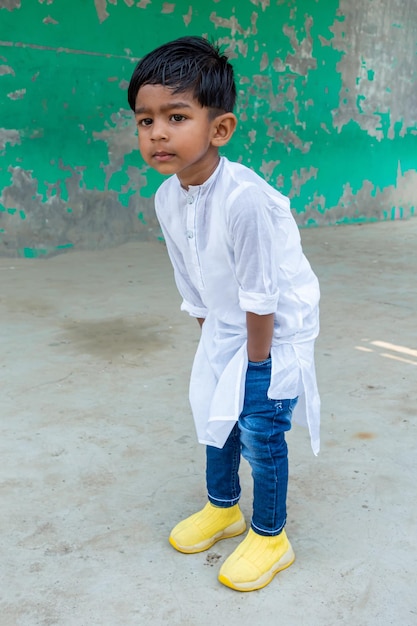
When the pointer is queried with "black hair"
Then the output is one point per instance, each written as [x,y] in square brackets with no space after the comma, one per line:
[188,64]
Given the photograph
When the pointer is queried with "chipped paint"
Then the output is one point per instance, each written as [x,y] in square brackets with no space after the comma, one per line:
[6,69]
[8,136]
[10,5]
[17,95]
[378,67]
[327,111]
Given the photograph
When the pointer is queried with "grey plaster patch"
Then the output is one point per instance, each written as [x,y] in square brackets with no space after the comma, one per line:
[8,136]
[377,65]
[369,202]
[10,5]
[88,219]
[6,69]
[120,140]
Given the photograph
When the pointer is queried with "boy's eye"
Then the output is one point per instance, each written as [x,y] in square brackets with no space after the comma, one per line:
[145,122]
[177,117]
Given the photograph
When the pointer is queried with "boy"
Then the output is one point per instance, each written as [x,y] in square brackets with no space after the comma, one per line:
[239,267]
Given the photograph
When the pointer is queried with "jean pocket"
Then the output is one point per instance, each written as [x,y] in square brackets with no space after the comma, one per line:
[283,412]
[284,406]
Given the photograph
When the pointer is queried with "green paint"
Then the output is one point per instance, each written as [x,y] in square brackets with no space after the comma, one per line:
[64,246]
[32,253]
[36,253]
[359,219]
[385,122]
[360,99]
[74,126]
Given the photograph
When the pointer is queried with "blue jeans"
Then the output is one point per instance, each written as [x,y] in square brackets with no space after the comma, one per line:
[259,436]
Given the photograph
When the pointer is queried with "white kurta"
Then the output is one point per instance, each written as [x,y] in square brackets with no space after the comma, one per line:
[235,247]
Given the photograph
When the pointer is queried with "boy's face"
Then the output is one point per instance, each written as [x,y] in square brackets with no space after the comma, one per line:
[176,134]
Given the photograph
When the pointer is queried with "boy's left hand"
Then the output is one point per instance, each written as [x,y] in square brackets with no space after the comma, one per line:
[260,329]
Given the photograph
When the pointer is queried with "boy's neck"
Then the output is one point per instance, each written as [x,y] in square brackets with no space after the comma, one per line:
[199,177]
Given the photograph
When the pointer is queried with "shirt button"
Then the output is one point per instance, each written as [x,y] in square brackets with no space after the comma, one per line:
[190,234]
[190,199]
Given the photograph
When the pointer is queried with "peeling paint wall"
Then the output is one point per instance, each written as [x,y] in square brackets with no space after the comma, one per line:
[327,111]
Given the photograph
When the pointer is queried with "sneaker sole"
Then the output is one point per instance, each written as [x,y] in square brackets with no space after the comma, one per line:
[285,561]
[233,530]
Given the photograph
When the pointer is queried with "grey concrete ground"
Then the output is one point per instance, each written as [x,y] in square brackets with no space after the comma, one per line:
[99,458]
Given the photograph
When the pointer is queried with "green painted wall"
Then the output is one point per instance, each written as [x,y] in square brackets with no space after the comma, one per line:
[327,109]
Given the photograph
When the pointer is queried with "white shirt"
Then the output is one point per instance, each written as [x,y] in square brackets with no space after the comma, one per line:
[235,247]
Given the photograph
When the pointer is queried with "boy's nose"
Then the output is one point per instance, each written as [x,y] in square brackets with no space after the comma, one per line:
[158,131]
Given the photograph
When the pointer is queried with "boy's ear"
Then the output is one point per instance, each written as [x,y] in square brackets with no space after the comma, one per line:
[223,128]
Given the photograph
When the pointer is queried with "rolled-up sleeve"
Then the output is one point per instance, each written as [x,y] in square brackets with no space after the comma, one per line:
[193,310]
[258,303]
[257,252]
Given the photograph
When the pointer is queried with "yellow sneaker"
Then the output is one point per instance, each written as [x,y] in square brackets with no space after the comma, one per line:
[255,561]
[201,530]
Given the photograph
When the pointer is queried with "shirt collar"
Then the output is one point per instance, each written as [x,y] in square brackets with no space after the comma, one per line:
[204,186]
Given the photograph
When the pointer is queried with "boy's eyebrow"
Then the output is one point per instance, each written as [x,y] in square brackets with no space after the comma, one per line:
[165,107]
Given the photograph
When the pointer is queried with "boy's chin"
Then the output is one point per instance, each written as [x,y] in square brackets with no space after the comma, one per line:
[166,169]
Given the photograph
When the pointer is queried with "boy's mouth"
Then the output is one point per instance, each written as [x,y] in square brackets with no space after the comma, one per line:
[163,156]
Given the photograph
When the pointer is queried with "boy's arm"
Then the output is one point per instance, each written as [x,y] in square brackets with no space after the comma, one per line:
[200,320]
[260,329]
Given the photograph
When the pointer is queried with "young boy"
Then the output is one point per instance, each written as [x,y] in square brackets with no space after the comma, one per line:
[239,267]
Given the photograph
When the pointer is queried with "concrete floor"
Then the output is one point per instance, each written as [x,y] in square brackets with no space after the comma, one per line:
[99,457]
